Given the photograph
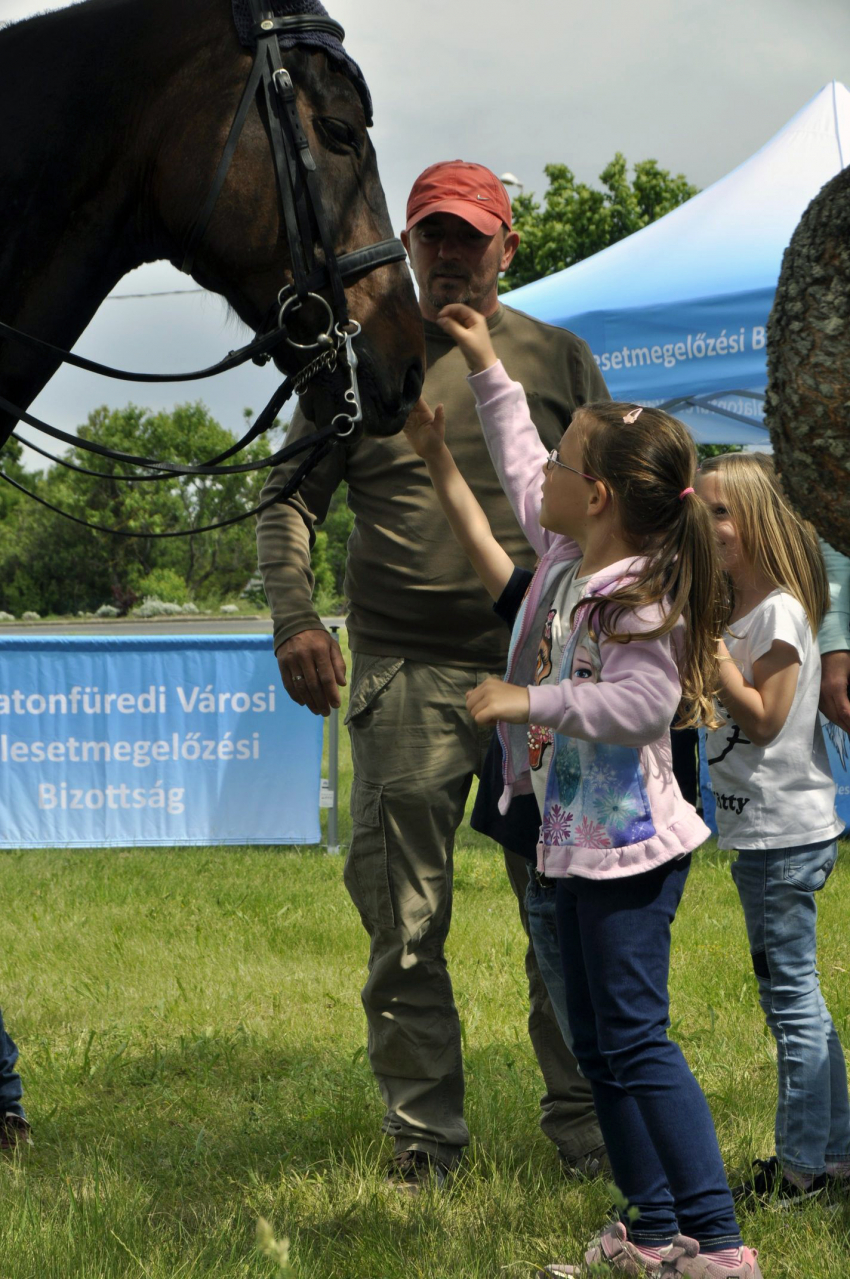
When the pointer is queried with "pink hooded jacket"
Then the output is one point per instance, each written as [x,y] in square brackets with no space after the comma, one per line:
[612,806]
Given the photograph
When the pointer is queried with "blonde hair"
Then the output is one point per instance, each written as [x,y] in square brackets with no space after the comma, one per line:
[775,540]
[649,465]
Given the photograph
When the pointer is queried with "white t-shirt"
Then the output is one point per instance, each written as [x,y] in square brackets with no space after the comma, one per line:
[553,641]
[781,795]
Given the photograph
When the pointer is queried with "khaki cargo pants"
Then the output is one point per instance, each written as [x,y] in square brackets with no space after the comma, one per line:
[415,750]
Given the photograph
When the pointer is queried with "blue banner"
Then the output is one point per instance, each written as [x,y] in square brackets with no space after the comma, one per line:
[144,740]
[704,345]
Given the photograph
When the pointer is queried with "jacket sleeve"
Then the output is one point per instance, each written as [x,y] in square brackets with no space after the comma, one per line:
[285,537]
[515,448]
[634,701]
[834,633]
[508,604]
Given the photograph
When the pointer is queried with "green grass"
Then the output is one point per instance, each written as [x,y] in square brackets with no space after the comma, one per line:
[193,1054]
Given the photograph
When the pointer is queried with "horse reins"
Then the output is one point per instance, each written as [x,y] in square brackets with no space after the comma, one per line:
[297,184]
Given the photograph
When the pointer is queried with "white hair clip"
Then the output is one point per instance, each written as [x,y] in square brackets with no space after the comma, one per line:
[632,416]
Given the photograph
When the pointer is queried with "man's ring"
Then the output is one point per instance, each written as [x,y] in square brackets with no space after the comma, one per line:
[296,678]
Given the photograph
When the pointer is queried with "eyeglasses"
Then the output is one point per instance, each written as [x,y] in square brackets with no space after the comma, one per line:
[554,460]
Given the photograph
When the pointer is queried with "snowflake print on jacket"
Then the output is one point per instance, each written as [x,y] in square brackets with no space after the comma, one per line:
[591,835]
[556,827]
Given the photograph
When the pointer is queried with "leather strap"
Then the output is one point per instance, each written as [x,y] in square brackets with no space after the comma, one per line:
[202,220]
[351,265]
[297,22]
[322,443]
[129,459]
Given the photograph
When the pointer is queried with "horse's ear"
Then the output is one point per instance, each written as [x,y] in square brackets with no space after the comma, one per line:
[309,39]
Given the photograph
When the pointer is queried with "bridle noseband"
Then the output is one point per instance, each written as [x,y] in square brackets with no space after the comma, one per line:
[304,222]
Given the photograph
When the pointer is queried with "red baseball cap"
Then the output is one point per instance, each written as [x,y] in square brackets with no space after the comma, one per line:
[468,190]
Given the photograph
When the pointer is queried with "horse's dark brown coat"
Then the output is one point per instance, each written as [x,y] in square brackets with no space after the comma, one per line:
[114,115]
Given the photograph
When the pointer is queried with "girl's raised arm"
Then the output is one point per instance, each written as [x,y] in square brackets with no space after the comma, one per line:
[516,449]
[426,432]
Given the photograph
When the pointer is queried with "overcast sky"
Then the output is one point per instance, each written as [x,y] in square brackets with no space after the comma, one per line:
[696,84]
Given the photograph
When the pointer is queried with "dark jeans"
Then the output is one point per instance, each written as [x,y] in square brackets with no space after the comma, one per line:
[10,1081]
[543,931]
[615,947]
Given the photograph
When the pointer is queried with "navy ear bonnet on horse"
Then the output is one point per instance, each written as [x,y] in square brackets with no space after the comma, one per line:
[321,40]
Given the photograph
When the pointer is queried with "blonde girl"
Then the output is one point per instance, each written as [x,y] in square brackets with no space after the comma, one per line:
[776,806]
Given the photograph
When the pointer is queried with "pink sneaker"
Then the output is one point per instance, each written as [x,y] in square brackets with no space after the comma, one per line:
[611,1248]
[686,1259]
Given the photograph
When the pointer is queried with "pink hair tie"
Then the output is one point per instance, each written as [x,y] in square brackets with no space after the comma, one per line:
[684,493]
[632,416]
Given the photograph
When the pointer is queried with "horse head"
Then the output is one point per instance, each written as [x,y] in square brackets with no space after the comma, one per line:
[110,167]
[244,253]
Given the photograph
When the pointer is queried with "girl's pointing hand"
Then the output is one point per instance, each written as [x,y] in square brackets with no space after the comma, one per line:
[494,700]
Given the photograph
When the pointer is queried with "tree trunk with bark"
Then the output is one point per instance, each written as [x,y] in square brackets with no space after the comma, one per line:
[808,361]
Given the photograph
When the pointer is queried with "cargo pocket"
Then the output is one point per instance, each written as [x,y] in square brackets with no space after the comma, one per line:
[367,872]
[371,675]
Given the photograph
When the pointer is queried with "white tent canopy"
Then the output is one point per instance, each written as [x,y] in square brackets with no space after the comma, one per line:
[678,310]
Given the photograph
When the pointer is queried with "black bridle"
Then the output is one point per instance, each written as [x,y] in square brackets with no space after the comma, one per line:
[305,223]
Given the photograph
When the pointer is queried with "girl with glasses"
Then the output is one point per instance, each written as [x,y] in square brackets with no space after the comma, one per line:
[615,633]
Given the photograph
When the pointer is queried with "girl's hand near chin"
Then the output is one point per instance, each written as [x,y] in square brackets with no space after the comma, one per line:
[469,329]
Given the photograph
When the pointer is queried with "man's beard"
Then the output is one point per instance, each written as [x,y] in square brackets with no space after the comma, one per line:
[463,291]
[438,300]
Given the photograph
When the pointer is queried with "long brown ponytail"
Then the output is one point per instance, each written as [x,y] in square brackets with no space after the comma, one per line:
[648,464]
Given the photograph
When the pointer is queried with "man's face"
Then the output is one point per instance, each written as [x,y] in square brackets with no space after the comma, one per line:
[454,262]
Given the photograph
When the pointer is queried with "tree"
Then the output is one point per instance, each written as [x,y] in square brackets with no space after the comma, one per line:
[577,220]
[10,464]
[52,565]
[807,406]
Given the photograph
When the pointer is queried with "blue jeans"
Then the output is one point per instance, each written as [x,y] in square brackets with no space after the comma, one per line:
[10,1082]
[615,947]
[777,889]
[543,931]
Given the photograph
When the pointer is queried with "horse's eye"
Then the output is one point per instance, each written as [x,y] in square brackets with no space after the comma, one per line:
[339,135]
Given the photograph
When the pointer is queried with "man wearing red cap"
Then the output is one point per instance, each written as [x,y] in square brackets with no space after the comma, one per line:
[422,633]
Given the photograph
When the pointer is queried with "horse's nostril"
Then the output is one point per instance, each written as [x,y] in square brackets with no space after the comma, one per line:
[412,385]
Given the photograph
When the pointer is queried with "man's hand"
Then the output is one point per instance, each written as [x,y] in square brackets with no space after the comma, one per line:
[426,430]
[494,700]
[469,330]
[835,677]
[312,668]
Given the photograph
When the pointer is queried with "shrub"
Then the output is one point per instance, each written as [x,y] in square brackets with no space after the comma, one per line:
[152,607]
[164,584]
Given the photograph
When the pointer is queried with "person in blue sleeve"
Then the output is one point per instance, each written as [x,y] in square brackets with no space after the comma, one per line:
[834,640]
[14,1129]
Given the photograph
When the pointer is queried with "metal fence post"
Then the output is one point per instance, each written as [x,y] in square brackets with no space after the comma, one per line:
[333,846]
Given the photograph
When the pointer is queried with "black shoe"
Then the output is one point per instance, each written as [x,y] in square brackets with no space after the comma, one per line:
[415,1170]
[593,1164]
[14,1132]
[769,1185]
